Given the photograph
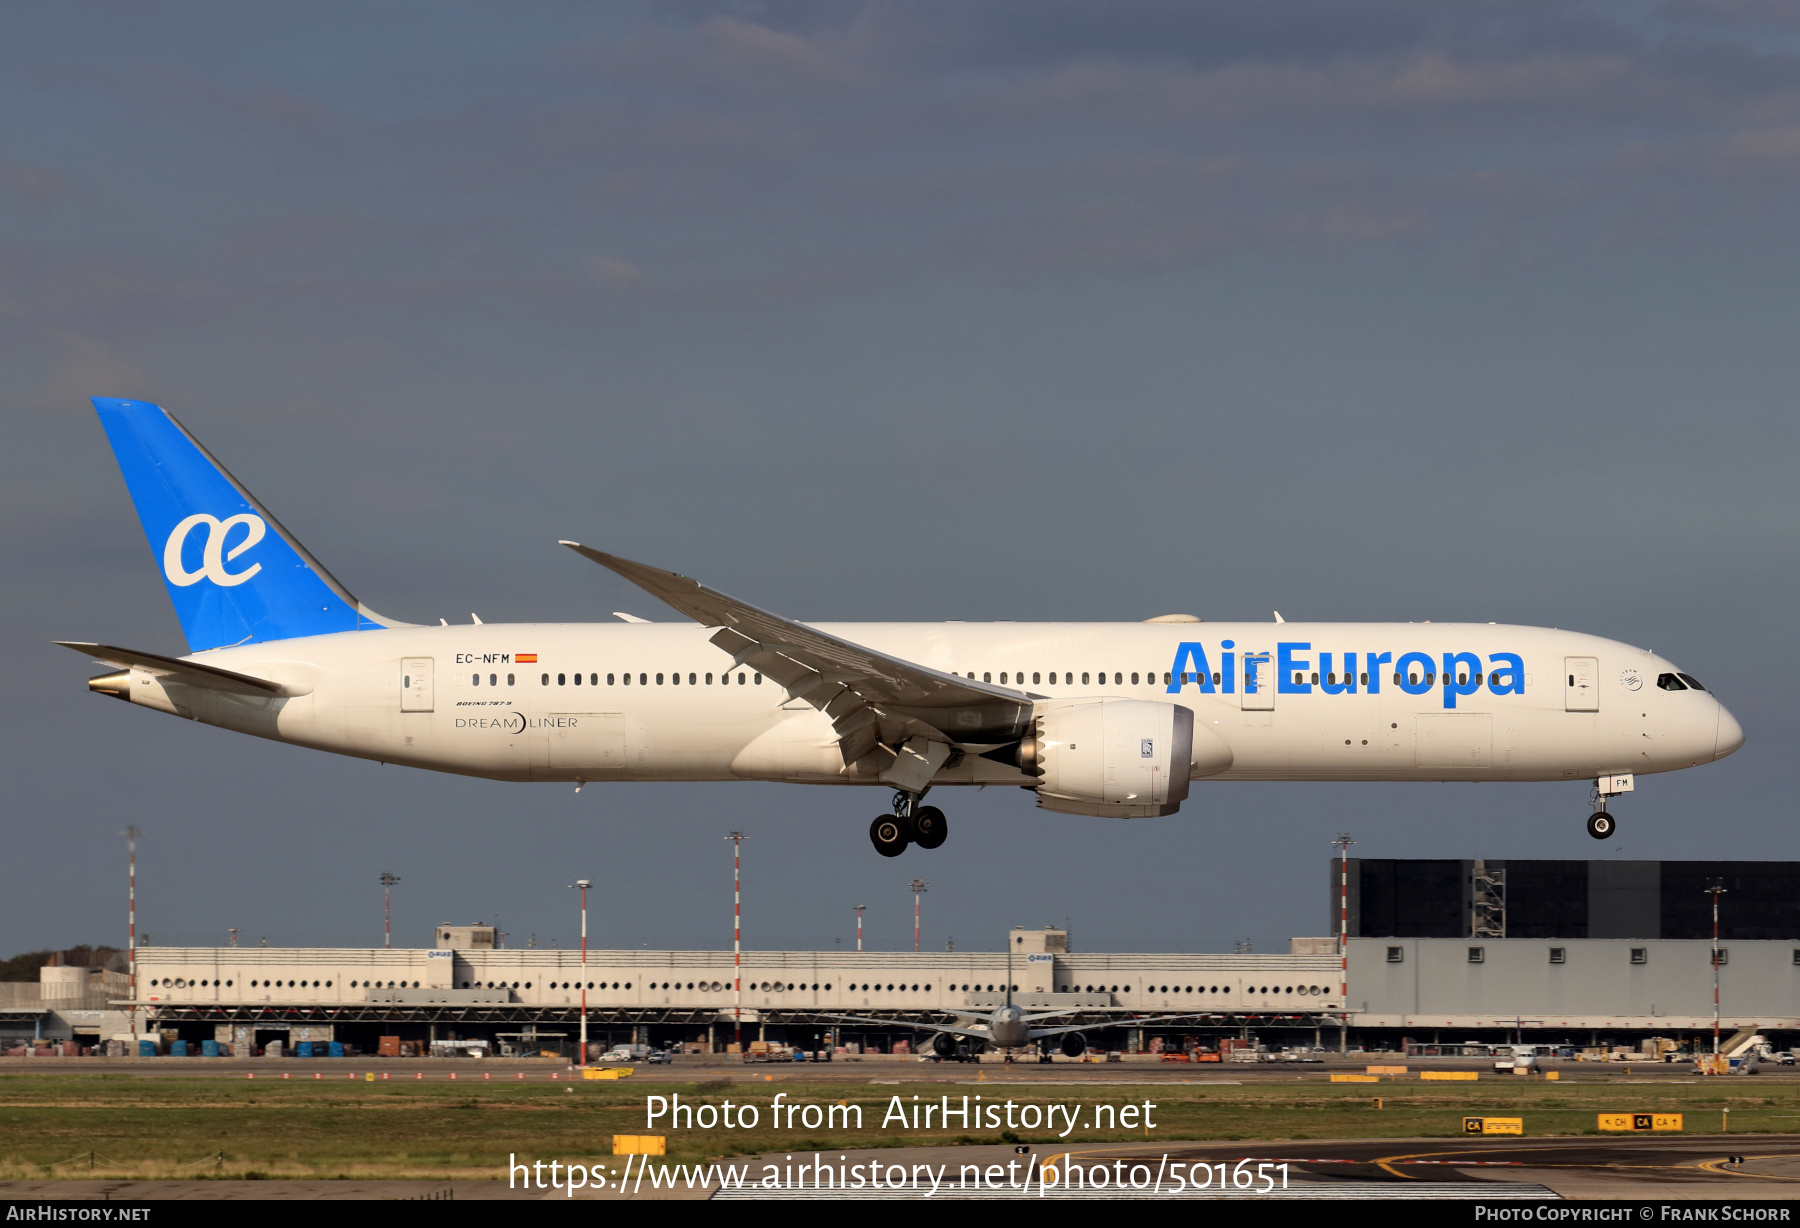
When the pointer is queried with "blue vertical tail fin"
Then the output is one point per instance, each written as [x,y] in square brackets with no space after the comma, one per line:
[235,575]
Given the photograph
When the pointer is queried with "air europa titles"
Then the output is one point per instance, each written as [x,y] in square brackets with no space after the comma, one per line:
[1297,673]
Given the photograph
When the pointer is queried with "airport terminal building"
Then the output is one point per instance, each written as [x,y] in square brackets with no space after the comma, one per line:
[1439,952]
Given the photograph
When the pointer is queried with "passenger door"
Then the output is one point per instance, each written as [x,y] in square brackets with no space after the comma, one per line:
[1258,691]
[415,684]
[1581,684]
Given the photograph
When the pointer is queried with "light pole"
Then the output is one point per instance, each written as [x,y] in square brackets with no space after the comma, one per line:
[584,884]
[737,839]
[1344,842]
[131,835]
[859,913]
[918,889]
[387,921]
[1715,891]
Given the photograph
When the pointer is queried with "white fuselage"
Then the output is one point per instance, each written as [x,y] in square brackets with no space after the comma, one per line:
[459,699]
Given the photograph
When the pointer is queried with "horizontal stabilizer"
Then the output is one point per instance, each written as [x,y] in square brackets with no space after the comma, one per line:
[191,672]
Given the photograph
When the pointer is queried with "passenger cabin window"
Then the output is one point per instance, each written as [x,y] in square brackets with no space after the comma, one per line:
[1134,680]
[1669,682]
[1084,680]
[577,679]
[474,679]
[545,680]
[509,680]
[562,680]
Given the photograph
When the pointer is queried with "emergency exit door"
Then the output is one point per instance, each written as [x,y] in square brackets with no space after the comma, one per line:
[415,684]
[1581,684]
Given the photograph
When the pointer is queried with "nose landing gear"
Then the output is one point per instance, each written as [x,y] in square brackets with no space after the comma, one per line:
[1600,825]
[910,823]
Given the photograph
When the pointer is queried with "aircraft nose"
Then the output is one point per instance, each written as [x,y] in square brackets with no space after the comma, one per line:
[1731,734]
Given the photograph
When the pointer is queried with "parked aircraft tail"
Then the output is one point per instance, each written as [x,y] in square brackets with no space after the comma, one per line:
[235,575]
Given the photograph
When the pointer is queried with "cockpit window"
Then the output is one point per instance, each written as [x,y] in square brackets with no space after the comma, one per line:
[1691,681]
[1669,682]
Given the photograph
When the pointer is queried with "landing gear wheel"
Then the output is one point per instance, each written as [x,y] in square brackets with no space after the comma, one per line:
[930,828]
[1600,825]
[889,836]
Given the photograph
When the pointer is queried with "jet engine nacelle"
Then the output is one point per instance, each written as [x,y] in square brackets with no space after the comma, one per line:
[1073,1044]
[1118,758]
[944,1044]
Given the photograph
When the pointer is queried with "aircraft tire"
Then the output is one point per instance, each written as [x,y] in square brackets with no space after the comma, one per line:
[1600,825]
[889,836]
[930,828]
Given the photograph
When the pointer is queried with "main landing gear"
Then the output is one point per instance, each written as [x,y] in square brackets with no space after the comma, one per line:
[910,823]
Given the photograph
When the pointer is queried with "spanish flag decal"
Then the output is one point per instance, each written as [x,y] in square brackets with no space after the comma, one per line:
[525,658]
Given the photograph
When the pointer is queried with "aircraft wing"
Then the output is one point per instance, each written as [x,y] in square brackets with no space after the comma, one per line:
[1038,1033]
[903,717]
[191,672]
[978,1033]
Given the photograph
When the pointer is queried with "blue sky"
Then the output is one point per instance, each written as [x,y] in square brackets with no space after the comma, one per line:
[1054,310]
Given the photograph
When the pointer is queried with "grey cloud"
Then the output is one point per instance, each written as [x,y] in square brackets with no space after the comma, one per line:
[726,54]
[1028,35]
[36,186]
[209,99]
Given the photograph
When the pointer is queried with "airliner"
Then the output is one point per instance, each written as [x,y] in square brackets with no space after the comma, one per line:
[1005,1027]
[1110,720]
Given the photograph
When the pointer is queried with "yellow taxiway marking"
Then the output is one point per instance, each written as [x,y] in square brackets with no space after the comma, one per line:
[1713,1166]
[1386,1163]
